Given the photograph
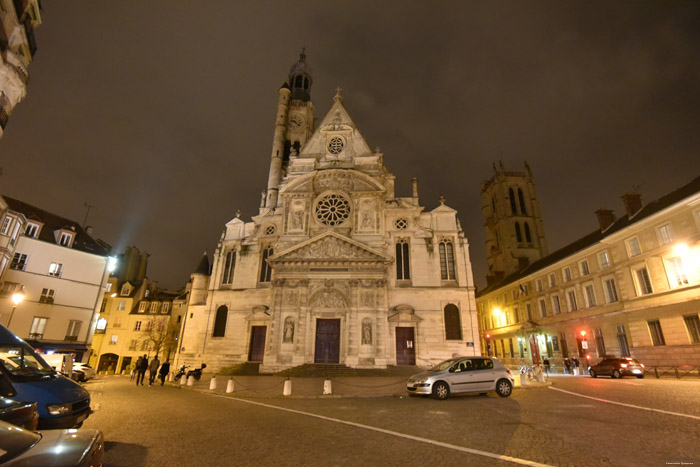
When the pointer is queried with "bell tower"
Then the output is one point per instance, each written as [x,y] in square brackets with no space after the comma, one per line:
[513,223]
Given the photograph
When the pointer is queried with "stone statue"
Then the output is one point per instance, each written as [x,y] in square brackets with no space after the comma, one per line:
[288,336]
[366,333]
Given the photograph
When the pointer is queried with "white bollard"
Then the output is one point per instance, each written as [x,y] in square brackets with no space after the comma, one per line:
[523,379]
[212,383]
[575,371]
[190,381]
[171,376]
[540,375]
[327,387]
[183,380]
[287,388]
[229,386]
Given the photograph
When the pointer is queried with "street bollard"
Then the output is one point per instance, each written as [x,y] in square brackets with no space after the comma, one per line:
[171,376]
[212,383]
[229,386]
[327,388]
[190,380]
[523,379]
[575,371]
[540,375]
[183,380]
[287,388]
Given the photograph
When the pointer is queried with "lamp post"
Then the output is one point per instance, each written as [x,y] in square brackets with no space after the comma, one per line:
[17,297]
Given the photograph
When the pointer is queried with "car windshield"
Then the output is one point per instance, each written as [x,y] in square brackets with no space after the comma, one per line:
[445,365]
[15,440]
[20,360]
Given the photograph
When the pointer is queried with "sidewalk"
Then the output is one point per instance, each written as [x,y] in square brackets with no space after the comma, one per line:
[312,388]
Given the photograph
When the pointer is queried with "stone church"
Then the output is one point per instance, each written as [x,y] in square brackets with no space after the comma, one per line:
[334,269]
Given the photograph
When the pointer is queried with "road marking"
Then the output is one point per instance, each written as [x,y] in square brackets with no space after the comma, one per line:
[393,433]
[695,417]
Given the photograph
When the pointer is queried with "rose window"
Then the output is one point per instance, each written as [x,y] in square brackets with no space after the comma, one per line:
[335,145]
[400,223]
[332,210]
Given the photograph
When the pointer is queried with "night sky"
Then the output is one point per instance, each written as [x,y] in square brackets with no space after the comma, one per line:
[161,113]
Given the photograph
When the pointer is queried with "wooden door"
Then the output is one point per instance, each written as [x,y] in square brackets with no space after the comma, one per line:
[534,350]
[405,348]
[257,343]
[327,341]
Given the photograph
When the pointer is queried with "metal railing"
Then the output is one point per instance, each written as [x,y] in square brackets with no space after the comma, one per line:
[676,371]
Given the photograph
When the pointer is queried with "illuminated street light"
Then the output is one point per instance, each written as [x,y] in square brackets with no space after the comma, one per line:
[17,297]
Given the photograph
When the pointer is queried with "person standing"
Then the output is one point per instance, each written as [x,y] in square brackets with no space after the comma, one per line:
[142,367]
[163,373]
[134,368]
[153,367]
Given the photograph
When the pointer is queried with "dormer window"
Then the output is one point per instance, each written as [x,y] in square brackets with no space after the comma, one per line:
[146,293]
[126,290]
[154,307]
[32,230]
[143,306]
[65,237]
[166,307]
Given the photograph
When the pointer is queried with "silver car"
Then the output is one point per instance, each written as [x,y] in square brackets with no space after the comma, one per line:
[463,375]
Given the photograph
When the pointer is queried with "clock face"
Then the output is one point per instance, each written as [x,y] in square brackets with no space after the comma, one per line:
[296,121]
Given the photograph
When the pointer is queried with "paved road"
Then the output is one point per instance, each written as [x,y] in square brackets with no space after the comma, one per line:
[173,426]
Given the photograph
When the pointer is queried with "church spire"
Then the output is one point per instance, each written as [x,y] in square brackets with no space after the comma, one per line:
[300,78]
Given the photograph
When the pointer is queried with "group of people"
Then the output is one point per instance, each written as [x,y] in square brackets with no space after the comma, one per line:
[138,370]
[570,364]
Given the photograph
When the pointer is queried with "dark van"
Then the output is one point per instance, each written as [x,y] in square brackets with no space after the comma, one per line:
[61,403]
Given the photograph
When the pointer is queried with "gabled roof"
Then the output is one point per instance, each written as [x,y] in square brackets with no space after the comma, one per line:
[52,222]
[691,188]
[329,246]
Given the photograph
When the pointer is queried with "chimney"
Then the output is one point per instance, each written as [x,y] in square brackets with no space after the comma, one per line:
[414,183]
[88,230]
[633,203]
[605,218]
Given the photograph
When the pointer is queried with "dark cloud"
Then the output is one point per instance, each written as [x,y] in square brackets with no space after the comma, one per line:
[161,113]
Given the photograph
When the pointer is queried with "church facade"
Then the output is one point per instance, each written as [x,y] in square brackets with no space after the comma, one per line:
[334,269]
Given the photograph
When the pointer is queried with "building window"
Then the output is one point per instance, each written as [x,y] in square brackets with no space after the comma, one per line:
[514,294]
[447,261]
[122,305]
[143,306]
[590,295]
[538,285]
[528,236]
[556,306]
[31,231]
[516,314]
[220,321]
[6,223]
[108,287]
[642,281]
[665,234]
[692,322]
[265,269]
[149,325]
[528,310]
[543,308]
[571,296]
[675,269]
[567,274]
[117,322]
[402,260]
[101,325]
[113,339]
[518,234]
[73,330]
[154,307]
[144,344]
[229,266]
[633,248]
[657,336]
[65,239]
[622,341]
[552,281]
[137,326]
[126,290]
[521,198]
[46,296]
[599,342]
[132,344]
[55,269]
[19,262]
[38,328]
[583,266]
[165,307]
[511,196]
[604,259]
[610,290]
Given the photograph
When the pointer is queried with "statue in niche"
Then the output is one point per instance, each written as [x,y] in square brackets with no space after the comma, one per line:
[288,336]
[367,216]
[296,217]
[366,332]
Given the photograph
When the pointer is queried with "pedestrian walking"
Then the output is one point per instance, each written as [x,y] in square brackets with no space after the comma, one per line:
[134,366]
[142,367]
[163,372]
[567,366]
[575,363]
[153,367]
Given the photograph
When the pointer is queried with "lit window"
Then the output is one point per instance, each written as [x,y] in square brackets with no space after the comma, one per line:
[604,259]
[108,288]
[675,270]
[113,339]
[101,324]
[38,328]
[122,305]
[143,306]
[665,234]
[55,269]
[633,248]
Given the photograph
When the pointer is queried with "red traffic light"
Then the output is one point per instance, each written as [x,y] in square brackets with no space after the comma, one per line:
[583,333]
[488,336]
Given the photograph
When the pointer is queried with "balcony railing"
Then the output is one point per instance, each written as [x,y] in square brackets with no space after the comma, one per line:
[36,335]
[45,299]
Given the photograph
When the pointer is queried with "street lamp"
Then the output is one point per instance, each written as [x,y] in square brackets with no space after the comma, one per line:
[16,298]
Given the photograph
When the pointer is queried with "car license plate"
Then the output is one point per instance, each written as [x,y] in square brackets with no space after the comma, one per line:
[636,371]
[81,418]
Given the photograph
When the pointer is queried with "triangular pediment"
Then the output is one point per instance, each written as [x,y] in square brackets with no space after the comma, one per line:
[330,247]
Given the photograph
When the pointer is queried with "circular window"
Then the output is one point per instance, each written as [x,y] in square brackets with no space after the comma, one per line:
[332,209]
[335,145]
[270,230]
[400,223]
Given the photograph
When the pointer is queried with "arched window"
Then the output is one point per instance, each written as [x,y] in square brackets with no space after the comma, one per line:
[403,271]
[521,198]
[299,81]
[220,321]
[229,266]
[265,269]
[511,196]
[518,234]
[306,83]
[528,237]
[447,261]
[453,326]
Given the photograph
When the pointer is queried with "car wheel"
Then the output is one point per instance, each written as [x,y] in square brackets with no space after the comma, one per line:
[616,374]
[640,376]
[593,373]
[441,390]
[504,387]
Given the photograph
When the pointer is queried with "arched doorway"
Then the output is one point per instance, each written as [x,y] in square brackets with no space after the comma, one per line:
[108,362]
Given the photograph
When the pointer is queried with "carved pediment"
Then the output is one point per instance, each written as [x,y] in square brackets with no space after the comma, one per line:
[330,247]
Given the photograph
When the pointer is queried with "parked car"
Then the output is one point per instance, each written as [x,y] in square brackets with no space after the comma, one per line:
[617,368]
[61,403]
[56,448]
[87,371]
[463,375]
[22,414]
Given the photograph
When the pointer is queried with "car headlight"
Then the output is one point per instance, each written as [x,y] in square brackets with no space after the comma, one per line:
[58,409]
[421,380]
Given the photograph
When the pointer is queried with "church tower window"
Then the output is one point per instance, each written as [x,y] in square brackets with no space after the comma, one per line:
[518,234]
[521,198]
[511,196]
[447,261]
[402,261]
[528,237]
[453,326]
[220,321]
[265,269]
[229,266]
